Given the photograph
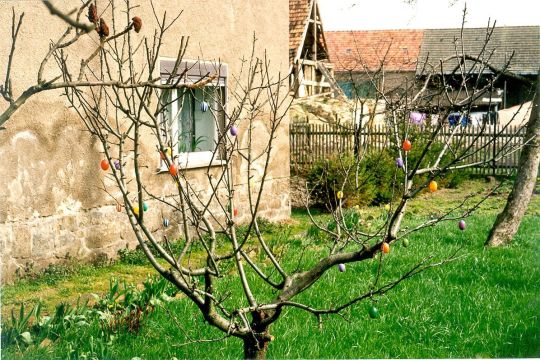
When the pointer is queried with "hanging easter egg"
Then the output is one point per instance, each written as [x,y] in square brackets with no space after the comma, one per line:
[204,106]
[407,146]
[417,118]
[373,312]
[136,211]
[399,162]
[234,130]
[341,267]
[117,164]
[235,212]
[387,207]
[339,195]
[145,206]
[166,222]
[405,242]
[432,186]
[167,151]
[173,170]
[104,165]
[118,207]
[385,248]
[462,225]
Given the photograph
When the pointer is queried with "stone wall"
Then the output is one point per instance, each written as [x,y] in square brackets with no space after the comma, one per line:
[89,234]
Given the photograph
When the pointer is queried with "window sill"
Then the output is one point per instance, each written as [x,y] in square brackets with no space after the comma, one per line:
[193,164]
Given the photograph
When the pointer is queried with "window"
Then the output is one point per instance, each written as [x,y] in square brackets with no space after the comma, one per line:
[362,89]
[193,117]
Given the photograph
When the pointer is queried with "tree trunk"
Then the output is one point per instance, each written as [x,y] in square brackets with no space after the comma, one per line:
[507,223]
[255,349]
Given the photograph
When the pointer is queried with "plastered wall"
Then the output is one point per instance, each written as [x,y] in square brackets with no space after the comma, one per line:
[53,204]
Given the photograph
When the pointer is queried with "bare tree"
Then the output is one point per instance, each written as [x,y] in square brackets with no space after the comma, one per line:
[122,119]
[76,29]
[507,223]
[128,109]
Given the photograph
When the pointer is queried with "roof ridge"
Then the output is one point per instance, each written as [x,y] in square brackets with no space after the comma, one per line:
[328,31]
[448,28]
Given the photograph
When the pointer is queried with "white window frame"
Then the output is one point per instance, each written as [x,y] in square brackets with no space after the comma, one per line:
[194,71]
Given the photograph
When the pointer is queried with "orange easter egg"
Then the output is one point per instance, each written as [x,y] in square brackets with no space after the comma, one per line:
[407,146]
[104,165]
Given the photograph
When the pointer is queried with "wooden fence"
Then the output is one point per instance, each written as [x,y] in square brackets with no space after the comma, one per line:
[314,142]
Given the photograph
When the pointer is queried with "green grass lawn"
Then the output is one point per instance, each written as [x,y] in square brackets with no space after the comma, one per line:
[484,304]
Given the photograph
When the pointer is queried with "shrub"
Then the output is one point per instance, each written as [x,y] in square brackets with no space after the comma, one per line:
[451,179]
[123,307]
[51,274]
[370,181]
[363,183]
[132,257]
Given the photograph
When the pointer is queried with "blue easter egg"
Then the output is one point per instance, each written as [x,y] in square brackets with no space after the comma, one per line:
[204,106]
[145,206]
[166,222]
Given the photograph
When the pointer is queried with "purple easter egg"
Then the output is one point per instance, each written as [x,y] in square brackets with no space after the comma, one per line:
[341,267]
[399,162]
[462,225]
[117,164]
[417,118]
[234,130]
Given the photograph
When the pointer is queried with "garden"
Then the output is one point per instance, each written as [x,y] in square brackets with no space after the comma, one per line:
[397,248]
[484,303]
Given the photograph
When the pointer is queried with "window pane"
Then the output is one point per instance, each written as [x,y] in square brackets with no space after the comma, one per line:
[204,128]
[166,120]
[185,123]
[197,123]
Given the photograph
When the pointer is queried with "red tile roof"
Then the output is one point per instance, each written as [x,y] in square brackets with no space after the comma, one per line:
[298,15]
[349,50]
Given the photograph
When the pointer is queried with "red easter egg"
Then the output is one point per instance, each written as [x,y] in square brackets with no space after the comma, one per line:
[385,248]
[407,146]
[104,165]
[173,170]
[235,212]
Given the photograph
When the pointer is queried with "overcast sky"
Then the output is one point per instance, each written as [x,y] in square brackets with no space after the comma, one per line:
[425,14]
